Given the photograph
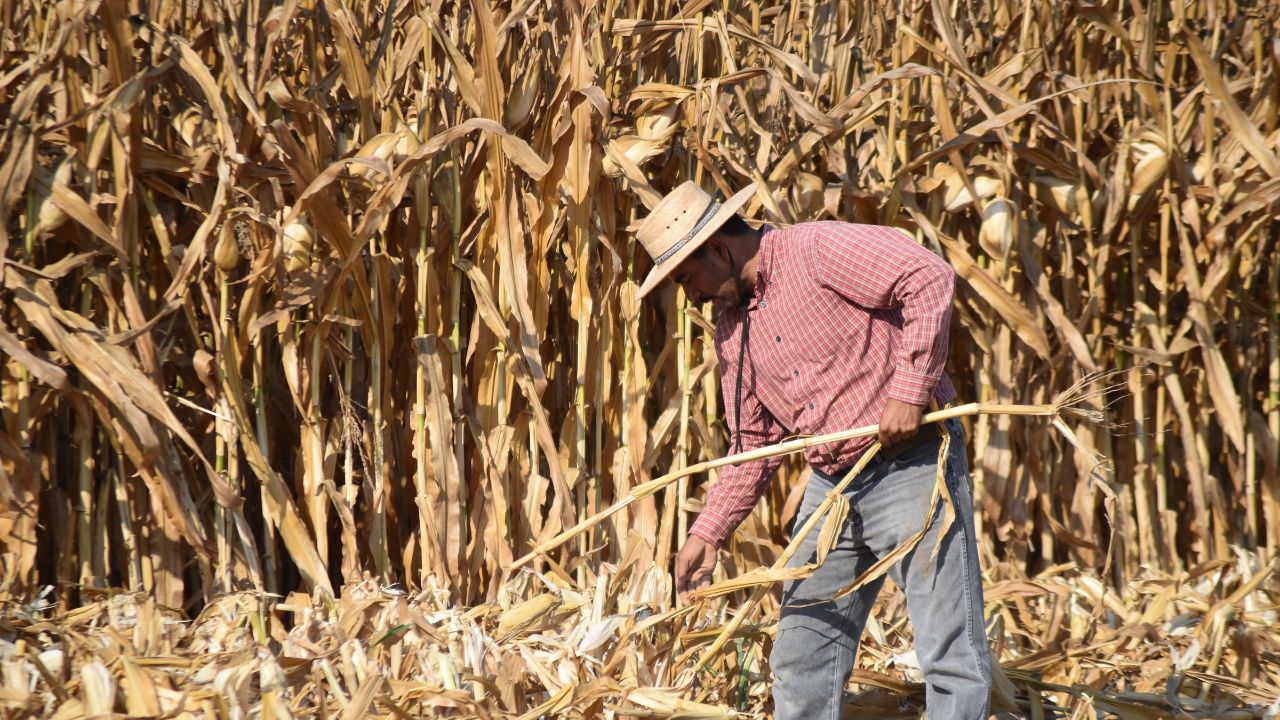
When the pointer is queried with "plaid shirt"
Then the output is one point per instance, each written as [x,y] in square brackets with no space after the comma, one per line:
[843,317]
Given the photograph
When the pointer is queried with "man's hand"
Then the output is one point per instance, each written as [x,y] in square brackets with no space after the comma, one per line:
[694,564]
[899,421]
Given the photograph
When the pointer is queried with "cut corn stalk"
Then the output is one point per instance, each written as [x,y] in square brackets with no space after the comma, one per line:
[1066,404]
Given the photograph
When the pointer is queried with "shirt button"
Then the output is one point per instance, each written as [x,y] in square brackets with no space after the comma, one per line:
[810,406]
[764,303]
[796,372]
[777,338]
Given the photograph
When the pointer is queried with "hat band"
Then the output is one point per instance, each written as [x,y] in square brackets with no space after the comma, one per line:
[702,221]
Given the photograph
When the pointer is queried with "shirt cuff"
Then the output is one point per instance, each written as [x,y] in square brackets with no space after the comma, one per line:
[911,386]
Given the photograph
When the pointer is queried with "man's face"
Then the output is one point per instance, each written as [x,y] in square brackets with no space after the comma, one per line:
[709,276]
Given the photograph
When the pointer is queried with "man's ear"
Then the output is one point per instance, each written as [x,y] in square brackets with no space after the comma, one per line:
[717,246]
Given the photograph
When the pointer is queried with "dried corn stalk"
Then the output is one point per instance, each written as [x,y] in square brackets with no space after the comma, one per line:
[342,247]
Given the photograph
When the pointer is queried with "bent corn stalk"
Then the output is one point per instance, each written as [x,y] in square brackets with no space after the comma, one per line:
[834,508]
[1067,403]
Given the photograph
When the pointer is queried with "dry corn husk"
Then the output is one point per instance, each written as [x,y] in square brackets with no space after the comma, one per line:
[298,241]
[226,253]
[524,92]
[53,660]
[49,216]
[651,138]
[192,126]
[670,704]
[97,689]
[389,147]
[808,193]
[1063,195]
[381,146]
[1152,162]
[958,196]
[203,363]
[527,612]
[999,224]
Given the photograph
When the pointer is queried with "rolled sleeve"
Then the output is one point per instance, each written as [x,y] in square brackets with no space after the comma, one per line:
[912,386]
[739,487]
[731,499]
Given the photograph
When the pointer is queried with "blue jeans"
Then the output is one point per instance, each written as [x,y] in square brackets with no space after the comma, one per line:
[818,637]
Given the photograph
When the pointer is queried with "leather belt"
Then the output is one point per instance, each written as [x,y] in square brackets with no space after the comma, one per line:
[923,435]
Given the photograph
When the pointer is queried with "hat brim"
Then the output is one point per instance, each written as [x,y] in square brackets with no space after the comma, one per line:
[726,211]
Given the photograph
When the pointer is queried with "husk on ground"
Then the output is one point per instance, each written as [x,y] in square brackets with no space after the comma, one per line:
[322,294]
[1069,646]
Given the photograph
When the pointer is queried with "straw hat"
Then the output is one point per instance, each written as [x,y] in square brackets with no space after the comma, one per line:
[681,222]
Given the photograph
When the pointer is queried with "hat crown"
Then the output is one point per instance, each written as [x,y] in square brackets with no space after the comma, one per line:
[680,223]
[675,219]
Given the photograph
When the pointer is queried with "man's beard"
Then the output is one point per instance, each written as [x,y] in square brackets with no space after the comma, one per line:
[738,295]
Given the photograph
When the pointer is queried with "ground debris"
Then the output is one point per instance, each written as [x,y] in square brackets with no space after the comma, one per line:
[1189,646]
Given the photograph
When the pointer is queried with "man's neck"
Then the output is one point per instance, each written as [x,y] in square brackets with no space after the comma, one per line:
[749,246]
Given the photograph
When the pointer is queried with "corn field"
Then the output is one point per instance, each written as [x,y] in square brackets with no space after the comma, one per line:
[316,314]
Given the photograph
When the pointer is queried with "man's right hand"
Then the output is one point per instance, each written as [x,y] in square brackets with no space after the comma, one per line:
[694,564]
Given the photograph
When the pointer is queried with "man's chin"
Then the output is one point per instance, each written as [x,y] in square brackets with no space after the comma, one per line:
[723,301]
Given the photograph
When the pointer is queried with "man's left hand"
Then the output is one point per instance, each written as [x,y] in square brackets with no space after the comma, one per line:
[899,421]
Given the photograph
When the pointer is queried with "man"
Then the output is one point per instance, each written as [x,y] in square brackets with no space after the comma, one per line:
[821,327]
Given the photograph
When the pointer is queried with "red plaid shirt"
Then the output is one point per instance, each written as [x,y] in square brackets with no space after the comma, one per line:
[843,317]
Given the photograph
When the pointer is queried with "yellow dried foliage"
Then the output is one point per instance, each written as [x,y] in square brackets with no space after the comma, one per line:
[300,296]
